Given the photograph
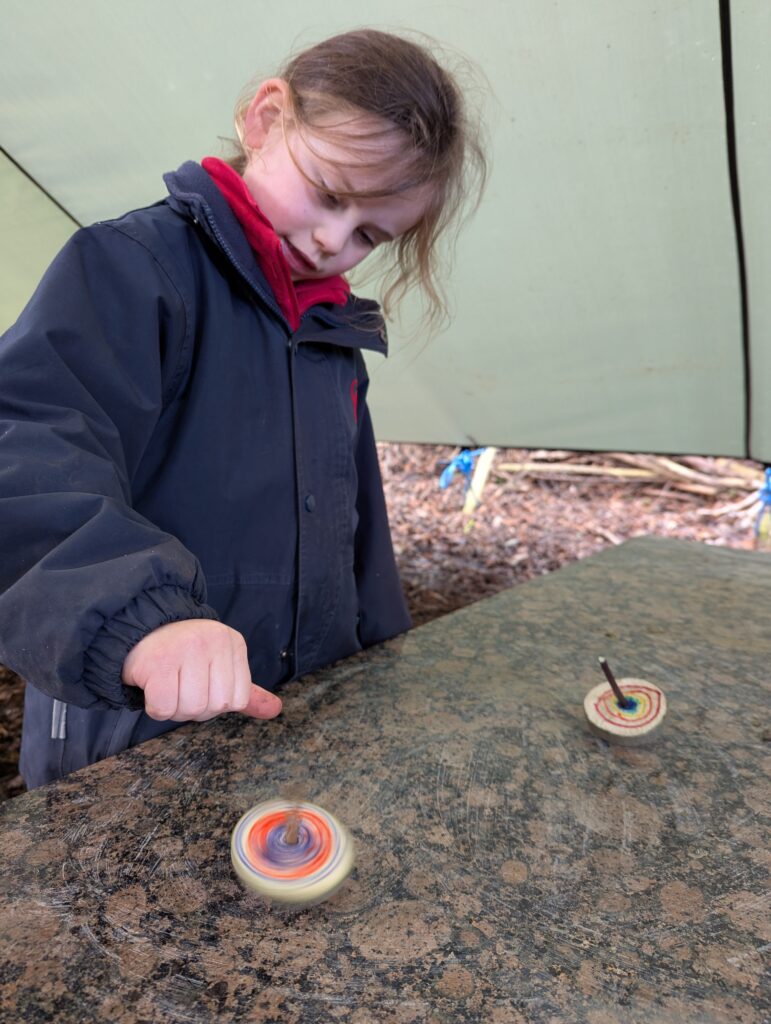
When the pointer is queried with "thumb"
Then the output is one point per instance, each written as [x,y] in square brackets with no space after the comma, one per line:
[262,703]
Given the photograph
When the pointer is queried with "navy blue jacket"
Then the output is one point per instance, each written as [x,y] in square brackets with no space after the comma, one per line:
[170,449]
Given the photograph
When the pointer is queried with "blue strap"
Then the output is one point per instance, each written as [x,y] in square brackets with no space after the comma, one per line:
[463,463]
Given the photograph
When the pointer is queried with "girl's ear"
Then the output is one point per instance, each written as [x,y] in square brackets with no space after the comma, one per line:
[264,112]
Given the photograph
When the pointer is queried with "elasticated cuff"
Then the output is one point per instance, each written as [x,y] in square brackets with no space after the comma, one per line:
[103,660]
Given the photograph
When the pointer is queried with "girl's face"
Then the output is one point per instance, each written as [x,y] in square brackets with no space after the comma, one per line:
[293,180]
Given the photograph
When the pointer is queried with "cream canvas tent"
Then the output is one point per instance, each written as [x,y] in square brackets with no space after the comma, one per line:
[598,294]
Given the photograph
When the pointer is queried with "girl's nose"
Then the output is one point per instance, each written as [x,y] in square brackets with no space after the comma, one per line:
[330,236]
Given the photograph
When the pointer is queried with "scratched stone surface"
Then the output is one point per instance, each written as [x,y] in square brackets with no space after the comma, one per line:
[511,866]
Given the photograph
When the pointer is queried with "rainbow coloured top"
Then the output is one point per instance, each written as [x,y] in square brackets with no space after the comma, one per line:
[304,871]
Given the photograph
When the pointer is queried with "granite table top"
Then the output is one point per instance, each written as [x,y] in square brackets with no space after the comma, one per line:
[511,866]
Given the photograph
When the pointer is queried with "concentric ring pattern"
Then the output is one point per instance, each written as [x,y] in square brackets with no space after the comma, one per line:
[646,706]
[308,869]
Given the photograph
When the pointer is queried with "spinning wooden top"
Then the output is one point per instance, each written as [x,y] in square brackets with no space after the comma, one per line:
[291,853]
[626,712]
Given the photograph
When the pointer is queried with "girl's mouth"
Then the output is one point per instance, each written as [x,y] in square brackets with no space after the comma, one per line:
[297,260]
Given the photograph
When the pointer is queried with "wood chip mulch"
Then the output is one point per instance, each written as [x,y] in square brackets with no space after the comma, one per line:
[528,524]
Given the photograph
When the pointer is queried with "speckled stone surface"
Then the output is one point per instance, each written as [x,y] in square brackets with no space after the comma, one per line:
[511,866]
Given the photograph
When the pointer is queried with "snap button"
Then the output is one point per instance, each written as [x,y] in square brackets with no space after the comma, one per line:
[310,502]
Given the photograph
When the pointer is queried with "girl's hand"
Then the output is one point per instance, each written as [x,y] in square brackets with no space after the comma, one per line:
[193,670]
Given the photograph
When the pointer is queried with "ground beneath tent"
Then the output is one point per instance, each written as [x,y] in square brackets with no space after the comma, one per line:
[527,525]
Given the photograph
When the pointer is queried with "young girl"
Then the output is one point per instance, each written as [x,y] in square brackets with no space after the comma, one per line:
[191,497]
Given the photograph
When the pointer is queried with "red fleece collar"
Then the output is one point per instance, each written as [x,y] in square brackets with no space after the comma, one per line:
[294,297]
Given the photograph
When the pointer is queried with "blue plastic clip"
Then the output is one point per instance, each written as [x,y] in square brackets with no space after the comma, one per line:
[462,463]
[765,500]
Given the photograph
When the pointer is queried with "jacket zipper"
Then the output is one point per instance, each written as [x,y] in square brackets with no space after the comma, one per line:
[229,253]
[295,641]
[291,350]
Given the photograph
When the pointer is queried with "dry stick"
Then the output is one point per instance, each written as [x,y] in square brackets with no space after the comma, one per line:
[724,510]
[478,480]
[575,468]
[673,470]
[561,470]
[648,467]
[623,702]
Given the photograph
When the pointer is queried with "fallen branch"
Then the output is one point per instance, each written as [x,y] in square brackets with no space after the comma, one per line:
[673,470]
[750,501]
[693,478]
[551,472]
[572,467]
[612,538]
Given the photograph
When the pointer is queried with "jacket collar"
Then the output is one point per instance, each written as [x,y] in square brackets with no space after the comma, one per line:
[192,193]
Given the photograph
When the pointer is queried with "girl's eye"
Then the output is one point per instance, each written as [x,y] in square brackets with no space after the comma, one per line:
[329,199]
[367,239]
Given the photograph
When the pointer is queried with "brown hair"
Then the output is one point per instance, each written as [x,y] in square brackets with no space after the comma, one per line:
[439,145]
